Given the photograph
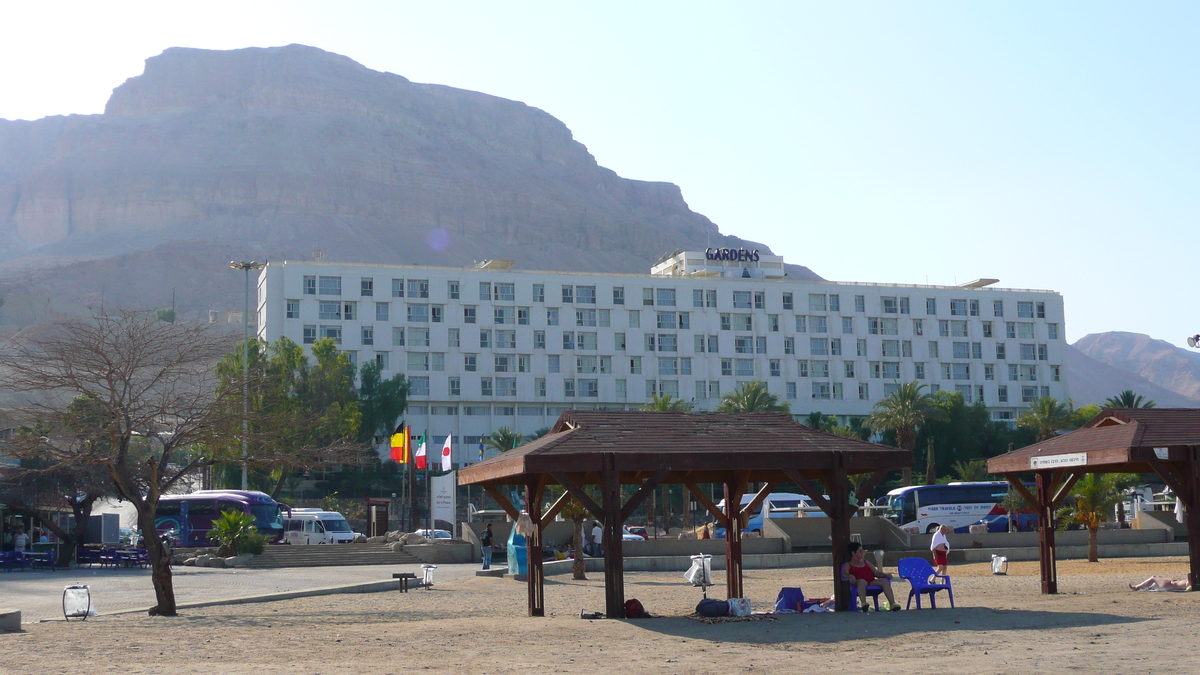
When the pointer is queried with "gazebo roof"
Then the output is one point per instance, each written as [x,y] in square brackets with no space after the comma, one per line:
[1116,440]
[692,447]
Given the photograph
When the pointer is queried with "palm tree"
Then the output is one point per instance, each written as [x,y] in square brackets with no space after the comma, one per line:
[537,434]
[971,470]
[1093,499]
[752,396]
[1045,417]
[503,440]
[821,422]
[1128,399]
[902,412]
[576,512]
[666,403]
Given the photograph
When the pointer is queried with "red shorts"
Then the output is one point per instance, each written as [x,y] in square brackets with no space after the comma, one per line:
[939,558]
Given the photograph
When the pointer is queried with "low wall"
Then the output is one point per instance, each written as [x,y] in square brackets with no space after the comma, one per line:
[875,532]
[442,554]
[1159,520]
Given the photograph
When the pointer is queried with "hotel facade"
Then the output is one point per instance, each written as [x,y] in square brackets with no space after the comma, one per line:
[490,346]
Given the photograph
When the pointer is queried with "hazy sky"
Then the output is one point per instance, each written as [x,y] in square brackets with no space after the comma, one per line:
[1048,146]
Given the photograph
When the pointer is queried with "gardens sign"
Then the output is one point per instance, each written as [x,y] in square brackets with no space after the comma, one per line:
[1058,461]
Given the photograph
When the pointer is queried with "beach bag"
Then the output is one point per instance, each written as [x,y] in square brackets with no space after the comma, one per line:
[739,607]
[634,609]
[712,607]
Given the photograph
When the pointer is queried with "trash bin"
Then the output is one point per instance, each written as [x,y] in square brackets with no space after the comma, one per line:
[77,603]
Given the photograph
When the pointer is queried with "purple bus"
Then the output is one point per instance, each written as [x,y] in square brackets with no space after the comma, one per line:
[191,516]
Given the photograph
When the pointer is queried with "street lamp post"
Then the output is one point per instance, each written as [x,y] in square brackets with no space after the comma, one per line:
[246,267]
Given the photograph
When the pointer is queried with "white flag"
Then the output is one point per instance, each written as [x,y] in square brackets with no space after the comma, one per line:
[446,454]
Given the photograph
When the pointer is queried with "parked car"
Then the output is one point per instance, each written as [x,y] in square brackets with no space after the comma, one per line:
[639,531]
[437,534]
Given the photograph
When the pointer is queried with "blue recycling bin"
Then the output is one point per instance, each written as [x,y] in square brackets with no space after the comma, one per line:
[518,561]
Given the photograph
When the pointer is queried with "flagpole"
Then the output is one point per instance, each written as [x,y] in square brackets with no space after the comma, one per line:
[428,485]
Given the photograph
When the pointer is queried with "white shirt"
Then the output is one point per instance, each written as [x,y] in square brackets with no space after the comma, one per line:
[939,539]
[19,542]
[598,534]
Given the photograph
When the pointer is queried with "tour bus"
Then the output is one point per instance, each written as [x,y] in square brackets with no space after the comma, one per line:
[922,508]
[191,516]
[792,506]
[316,526]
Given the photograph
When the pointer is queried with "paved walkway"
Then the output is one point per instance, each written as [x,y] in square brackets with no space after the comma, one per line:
[39,594]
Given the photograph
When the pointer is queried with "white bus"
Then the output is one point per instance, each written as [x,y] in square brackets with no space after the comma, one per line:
[922,508]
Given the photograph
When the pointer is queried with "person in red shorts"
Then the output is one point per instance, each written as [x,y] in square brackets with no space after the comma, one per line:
[863,574]
[940,547]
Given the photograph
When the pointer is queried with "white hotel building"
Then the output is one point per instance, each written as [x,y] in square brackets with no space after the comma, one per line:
[491,346]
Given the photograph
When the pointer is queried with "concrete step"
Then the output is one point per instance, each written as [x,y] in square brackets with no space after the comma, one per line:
[331,555]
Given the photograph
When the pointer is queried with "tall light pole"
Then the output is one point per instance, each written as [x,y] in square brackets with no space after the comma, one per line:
[246,267]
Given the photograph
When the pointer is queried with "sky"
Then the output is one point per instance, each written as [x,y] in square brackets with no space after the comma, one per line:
[1049,145]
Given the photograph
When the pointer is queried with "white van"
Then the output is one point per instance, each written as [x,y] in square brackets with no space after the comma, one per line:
[314,526]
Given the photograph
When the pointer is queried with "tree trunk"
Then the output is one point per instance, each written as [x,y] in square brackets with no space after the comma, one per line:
[1093,545]
[160,567]
[579,567]
[906,475]
[283,475]
[930,464]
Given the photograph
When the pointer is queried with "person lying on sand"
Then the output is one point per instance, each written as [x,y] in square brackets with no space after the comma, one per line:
[1158,583]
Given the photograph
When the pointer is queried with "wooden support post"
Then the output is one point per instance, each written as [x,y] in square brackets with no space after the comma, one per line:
[533,548]
[733,537]
[614,560]
[836,486]
[1191,511]
[1046,550]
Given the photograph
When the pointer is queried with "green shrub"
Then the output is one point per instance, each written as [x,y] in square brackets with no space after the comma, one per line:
[237,530]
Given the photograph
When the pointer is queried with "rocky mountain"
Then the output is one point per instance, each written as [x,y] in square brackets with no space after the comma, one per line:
[1159,362]
[210,156]
[1093,381]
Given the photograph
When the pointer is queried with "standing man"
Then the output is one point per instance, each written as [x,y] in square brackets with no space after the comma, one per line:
[940,546]
[598,539]
[485,541]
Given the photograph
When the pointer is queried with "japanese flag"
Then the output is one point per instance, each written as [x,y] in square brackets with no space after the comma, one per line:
[446,454]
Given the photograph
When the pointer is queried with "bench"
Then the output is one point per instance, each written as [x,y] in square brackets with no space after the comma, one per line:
[403,578]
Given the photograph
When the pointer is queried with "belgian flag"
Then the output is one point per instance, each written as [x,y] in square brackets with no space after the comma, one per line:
[400,444]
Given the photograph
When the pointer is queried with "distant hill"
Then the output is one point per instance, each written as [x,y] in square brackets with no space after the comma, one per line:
[1091,381]
[1142,362]
[210,156]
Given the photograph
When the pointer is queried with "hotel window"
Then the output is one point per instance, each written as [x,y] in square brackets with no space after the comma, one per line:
[667,342]
[933,349]
[943,328]
[697,299]
[1002,393]
[397,288]
[604,316]
[507,292]
[961,371]
[974,311]
[906,349]
[743,322]
[668,366]
[328,310]
[418,288]
[959,329]
[1041,310]
[522,316]
[310,334]
[1052,331]
[568,339]
[760,300]
[618,295]
[418,313]
[485,386]
[965,391]
[452,337]
[349,311]
[382,311]
[801,368]
[835,346]
[931,306]
[397,336]
[889,326]
[818,368]
[455,386]
[977,350]
[506,386]
[860,348]
[452,290]
[332,332]
[437,361]
[366,287]
[586,341]
[485,291]
[1024,331]
[382,359]
[1041,351]
[698,344]
[987,329]
[741,299]
[998,308]
[585,318]
[1055,374]
[635,318]
[649,342]
[848,369]
[553,363]
[619,341]
[666,297]
[872,326]
[788,302]
[1014,372]
[710,299]
[864,392]
[568,294]
[585,295]
[539,339]
[818,324]
[1028,394]
[726,322]
[790,389]
[468,314]
[816,302]
[760,345]
[418,386]
[919,371]
[635,365]
[891,370]
[1010,330]
[551,316]
[775,367]
[589,388]
[889,305]
[333,286]
[503,315]
[714,343]
[622,388]
[773,323]
[666,320]
[503,363]
[727,367]
[368,335]
[818,346]
[743,367]
[292,309]
[918,327]
[891,348]
[835,303]
[820,390]
[418,337]
[1024,309]
[801,323]
[989,371]
[904,306]
[847,325]
[485,339]
[962,350]
[958,308]
[789,345]
[310,285]
[606,366]
[647,297]
[539,292]
[743,345]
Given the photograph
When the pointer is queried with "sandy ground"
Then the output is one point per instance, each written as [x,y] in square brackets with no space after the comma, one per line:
[478,625]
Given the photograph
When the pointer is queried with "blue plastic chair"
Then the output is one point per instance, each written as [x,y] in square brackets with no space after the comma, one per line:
[872,593]
[919,573]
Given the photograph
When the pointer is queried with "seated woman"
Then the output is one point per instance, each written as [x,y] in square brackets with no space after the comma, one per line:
[1159,583]
[863,574]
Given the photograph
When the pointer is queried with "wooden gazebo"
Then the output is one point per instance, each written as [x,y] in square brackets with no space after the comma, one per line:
[1165,441]
[648,449]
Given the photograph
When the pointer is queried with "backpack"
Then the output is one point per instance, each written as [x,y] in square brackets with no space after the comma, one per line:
[634,609]
[712,607]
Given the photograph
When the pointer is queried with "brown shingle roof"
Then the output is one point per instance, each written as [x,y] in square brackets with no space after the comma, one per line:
[642,442]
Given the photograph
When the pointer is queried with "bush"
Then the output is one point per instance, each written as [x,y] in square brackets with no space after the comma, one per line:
[237,531]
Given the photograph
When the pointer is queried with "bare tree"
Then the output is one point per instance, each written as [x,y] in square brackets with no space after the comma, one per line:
[42,489]
[151,407]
